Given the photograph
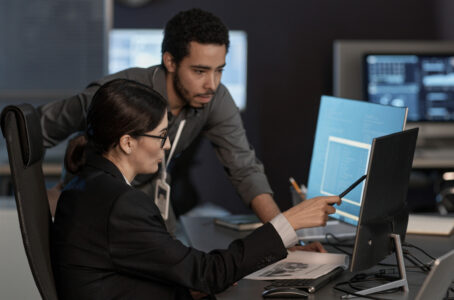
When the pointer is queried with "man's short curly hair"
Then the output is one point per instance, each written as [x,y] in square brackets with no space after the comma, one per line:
[194,25]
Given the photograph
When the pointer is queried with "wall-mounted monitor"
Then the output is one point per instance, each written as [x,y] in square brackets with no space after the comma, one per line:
[348,58]
[416,74]
[142,48]
[423,83]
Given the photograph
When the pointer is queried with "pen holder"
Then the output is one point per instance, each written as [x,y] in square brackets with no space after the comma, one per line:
[296,198]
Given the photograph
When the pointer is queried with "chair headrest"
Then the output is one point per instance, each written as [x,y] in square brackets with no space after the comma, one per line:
[29,129]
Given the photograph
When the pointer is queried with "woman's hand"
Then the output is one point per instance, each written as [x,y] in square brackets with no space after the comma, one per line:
[312,212]
[313,247]
[196,295]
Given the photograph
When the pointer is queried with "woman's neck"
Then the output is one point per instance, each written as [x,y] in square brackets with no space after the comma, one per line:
[122,165]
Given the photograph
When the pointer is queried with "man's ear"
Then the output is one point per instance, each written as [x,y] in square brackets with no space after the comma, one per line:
[169,62]
[127,143]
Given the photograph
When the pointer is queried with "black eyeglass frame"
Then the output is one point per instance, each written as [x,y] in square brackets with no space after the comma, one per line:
[163,138]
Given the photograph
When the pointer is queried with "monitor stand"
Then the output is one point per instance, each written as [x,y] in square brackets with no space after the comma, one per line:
[402,282]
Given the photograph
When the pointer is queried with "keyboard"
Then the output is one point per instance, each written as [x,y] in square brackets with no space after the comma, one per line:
[335,227]
[311,285]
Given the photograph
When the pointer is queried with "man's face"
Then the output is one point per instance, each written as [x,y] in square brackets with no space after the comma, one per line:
[198,75]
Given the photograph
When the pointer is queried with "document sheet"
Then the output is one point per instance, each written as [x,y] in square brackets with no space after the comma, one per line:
[301,265]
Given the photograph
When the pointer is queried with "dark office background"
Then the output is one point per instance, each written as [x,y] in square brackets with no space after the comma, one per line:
[289,68]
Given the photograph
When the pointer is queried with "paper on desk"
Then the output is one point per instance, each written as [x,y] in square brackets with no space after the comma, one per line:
[426,224]
[301,265]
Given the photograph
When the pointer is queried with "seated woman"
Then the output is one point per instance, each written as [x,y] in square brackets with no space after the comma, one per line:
[110,241]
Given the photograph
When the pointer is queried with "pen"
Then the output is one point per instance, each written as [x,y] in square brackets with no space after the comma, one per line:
[348,190]
[297,188]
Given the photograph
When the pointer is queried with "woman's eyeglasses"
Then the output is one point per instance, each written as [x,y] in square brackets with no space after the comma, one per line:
[162,137]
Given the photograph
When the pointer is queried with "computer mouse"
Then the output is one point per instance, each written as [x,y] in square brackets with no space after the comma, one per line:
[285,292]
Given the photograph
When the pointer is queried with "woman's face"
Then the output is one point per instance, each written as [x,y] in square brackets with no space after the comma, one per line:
[148,154]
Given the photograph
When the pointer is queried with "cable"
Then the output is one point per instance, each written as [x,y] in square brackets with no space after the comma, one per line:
[338,245]
[418,248]
[416,264]
[425,267]
[362,278]
[337,288]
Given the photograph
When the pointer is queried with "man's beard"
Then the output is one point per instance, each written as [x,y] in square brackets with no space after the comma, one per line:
[184,93]
[179,88]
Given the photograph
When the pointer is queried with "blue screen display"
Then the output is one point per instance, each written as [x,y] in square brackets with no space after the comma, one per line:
[343,138]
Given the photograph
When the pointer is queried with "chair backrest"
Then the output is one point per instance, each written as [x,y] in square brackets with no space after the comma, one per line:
[22,131]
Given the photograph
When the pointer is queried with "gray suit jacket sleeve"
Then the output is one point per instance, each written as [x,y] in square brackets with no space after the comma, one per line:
[59,119]
[139,245]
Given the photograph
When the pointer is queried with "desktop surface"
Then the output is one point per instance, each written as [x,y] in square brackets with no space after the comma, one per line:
[203,234]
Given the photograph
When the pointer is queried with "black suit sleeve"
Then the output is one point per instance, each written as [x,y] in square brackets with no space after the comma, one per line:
[140,245]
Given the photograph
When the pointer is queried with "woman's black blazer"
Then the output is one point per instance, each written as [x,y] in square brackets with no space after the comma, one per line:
[110,242]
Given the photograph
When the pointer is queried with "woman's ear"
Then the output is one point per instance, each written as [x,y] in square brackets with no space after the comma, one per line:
[169,62]
[127,143]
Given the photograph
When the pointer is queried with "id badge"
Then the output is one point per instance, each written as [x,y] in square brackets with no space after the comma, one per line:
[162,197]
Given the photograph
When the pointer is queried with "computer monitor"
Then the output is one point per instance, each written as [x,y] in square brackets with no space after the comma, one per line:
[383,217]
[344,133]
[423,83]
[349,77]
[142,48]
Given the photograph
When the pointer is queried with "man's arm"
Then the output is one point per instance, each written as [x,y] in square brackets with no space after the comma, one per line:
[61,118]
[264,207]
[224,128]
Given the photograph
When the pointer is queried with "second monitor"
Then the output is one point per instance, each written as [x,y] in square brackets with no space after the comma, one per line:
[383,217]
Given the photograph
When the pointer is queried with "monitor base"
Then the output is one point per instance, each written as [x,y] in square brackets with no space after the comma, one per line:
[402,282]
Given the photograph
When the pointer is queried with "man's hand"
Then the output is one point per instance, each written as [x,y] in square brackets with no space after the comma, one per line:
[313,247]
[52,195]
[312,212]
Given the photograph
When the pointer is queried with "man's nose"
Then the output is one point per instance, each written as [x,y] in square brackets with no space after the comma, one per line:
[210,82]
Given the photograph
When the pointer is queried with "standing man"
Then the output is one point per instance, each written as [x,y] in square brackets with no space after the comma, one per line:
[193,57]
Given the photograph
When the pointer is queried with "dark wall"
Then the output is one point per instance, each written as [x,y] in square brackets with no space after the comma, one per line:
[289,68]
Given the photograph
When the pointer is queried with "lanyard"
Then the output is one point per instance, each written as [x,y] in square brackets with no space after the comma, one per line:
[164,165]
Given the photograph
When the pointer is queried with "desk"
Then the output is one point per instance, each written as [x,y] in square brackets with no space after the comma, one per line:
[49,169]
[52,172]
[204,235]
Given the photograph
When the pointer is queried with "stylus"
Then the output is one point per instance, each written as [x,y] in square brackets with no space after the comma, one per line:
[348,190]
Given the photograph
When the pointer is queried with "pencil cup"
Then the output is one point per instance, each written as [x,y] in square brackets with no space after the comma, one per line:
[296,198]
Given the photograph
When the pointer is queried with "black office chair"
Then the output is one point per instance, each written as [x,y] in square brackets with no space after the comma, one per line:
[22,131]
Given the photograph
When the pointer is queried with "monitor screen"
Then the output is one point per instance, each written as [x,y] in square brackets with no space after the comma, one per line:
[142,48]
[344,133]
[423,83]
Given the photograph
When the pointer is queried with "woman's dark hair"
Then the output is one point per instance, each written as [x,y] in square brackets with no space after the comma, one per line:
[119,107]
[194,25]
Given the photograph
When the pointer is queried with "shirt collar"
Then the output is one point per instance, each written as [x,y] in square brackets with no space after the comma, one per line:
[127,181]
[159,81]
